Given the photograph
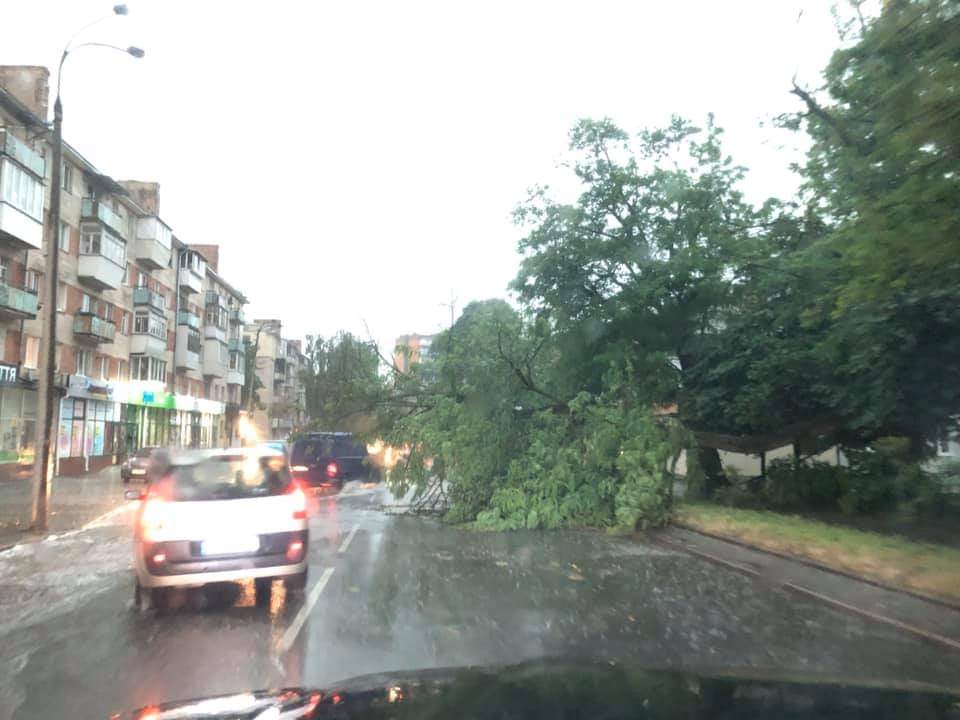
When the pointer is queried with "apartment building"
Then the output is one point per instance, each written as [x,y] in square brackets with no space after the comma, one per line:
[280,363]
[148,349]
[409,349]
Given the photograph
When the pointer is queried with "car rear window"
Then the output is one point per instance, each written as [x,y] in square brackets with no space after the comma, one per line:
[144,452]
[226,478]
[312,450]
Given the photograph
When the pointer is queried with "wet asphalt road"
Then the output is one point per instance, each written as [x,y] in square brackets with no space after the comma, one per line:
[399,593]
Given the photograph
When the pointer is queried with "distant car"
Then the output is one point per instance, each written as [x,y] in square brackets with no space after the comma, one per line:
[278,445]
[220,517]
[329,459]
[137,465]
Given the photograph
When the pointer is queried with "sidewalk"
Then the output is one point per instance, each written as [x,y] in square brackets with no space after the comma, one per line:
[74,501]
[934,621]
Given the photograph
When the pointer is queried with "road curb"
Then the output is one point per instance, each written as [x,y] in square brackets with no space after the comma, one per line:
[936,600]
[799,589]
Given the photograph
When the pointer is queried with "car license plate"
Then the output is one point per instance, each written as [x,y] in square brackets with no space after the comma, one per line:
[138,471]
[230,545]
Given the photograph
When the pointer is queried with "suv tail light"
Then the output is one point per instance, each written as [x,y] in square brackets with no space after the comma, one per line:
[332,470]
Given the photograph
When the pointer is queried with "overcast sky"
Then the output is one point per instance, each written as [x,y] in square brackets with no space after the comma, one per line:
[358,162]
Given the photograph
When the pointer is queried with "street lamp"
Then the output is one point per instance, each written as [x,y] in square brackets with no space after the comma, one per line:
[45,429]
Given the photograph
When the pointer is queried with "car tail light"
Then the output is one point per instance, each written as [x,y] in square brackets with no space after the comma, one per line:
[159,558]
[298,501]
[299,468]
[332,470]
[294,550]
[154,515]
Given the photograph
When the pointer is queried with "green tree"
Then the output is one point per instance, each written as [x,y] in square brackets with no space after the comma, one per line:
[342,383]
[884,169]
[249,393]
[646,267]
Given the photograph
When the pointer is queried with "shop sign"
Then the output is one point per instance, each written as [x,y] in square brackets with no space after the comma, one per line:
[8,373]
[152,398]
[84,387]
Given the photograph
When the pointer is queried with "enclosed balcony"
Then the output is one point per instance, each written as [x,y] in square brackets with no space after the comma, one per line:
[187,356]
[92,209]
[150,298]
[154,240]
[16,303]
[193,269]
[213,332]
[146,344]
[103,258]
[235,345]
[21,193]
[93,328]
[189,319]
[214,358]
[234,377]
[236,315]
[215,298]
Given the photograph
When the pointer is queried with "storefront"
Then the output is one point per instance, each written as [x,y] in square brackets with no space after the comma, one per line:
[100,423]
[161,418]
[92,429]
[18,423]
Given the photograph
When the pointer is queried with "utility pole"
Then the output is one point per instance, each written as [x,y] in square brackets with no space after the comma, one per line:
[48,341]
[47,428]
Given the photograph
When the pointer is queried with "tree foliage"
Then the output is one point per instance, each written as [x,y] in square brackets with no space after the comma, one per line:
[661,290]
[342,384]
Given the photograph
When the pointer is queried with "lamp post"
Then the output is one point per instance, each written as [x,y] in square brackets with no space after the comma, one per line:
[47,394]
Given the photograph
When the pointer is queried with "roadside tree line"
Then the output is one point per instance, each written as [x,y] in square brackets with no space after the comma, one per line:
[662,308]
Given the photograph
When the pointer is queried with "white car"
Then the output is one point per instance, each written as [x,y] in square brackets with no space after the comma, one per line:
[222,516]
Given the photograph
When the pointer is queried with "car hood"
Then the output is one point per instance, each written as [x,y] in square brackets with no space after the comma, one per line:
[554,689]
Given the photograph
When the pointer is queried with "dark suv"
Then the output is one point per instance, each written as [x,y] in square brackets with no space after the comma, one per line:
[329,459]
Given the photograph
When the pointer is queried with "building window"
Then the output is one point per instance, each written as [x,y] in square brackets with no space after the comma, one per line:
[64,239]
[141,279]
[31,355]
[143,367]
[31,281]
[124,323]
[61,297]
[121,370]
[86,302]
[4,268]
[66,176]
[83,361]
[21,189]
[104,367]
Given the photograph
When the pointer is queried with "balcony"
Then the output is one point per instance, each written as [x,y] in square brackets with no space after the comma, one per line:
[187,356]
[235,345]
[154,239]
[146,344]
[91,327]
[236,315]
[234,377]
[17,304]
[215,298]
[212,332]
[188,319]
[213,363]
[91,209]
[21,193]
[190,280]
[146,296]
[100,272]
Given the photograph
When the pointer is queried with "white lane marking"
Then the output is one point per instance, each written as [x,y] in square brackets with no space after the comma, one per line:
[286,642]
[346,543]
